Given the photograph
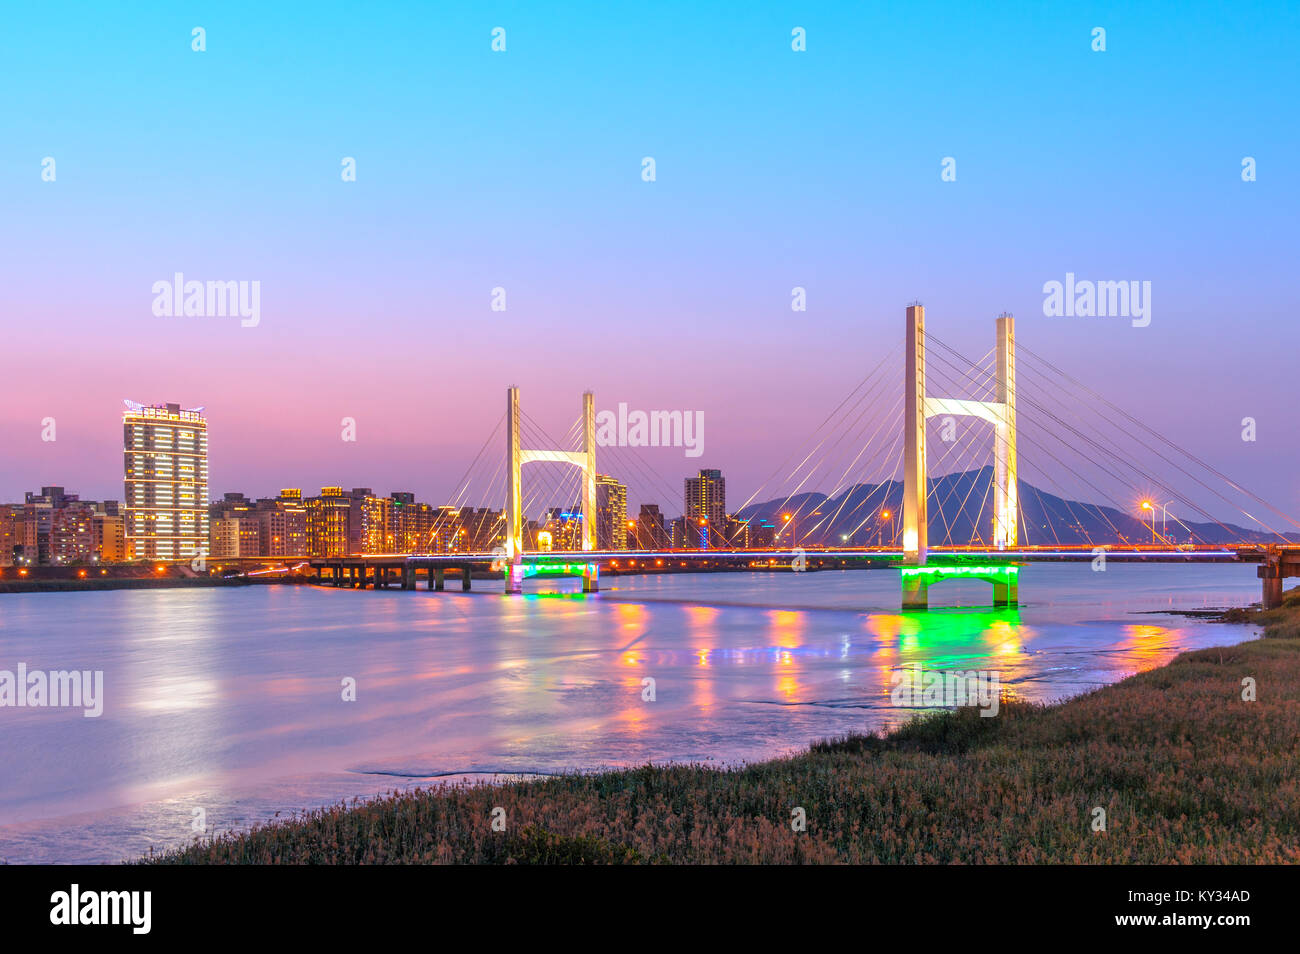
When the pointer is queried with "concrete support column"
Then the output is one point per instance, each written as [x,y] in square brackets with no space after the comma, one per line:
[438,579]
[514,579]
[915,521]
[464,579]
[591,578]
[514,496]
[589,471]
[1271,575]
[1005,495]
[408,576]
[916,592]
[1006,594]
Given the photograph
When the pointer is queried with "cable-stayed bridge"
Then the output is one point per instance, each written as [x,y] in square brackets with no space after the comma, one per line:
[925,465]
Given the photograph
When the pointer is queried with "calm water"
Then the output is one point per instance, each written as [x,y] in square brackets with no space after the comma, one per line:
[229,701]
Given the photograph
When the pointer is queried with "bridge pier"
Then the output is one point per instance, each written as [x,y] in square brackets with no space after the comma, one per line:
[464,578]
[1270,574]
[514,579]
[916,592]
[408,576]
[591,578]
[1004,578]
[437,580]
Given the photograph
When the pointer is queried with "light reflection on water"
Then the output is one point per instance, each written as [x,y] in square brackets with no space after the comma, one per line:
[230,701]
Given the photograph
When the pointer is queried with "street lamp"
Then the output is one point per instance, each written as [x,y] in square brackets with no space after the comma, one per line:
[884,515]
[789,524]
[1146,505]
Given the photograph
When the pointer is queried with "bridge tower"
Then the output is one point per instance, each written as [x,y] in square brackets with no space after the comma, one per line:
[585,460]
[919,406]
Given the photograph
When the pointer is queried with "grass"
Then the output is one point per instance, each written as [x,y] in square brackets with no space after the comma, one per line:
[1186,771]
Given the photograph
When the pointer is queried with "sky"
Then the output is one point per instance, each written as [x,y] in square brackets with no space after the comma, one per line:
[523,170]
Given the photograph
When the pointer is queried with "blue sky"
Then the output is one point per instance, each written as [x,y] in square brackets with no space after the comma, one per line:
[522,170]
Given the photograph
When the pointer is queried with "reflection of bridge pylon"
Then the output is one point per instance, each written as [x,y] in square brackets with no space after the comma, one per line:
[920,406]
[585,460]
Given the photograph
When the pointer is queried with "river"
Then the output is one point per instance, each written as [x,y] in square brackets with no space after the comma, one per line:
[223,707]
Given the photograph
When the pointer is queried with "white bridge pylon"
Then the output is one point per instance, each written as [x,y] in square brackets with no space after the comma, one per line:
[584,460]
[920,406]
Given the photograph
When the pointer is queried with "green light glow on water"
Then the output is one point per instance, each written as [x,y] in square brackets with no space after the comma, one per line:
[554,569]
[1001,569]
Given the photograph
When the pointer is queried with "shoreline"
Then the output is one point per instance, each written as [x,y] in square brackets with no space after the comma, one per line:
[1176,763]
[124,583]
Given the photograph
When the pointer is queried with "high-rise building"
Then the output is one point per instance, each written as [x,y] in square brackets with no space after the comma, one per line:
[413,523]
[327,523]
[236,537]
[370,522]
[481,529]
[109,536]
[650,532]
[706,509]
[13,534]
[611,514]
[293,534]
[445,532]
[284,525]
[72,533]
[563,525]
[166,468]
[738,532]
[762,532]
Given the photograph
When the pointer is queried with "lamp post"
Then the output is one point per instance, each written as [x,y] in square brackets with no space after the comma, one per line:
[1146,505]
[884,517]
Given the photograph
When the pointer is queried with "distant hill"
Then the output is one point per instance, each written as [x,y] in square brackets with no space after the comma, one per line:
[961,505]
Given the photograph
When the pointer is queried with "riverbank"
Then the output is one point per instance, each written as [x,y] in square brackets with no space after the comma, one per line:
[129,583]
[1184,769]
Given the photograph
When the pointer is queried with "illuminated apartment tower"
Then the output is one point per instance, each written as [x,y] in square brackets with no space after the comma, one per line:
[706,509]
[611,514]
[166,460]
